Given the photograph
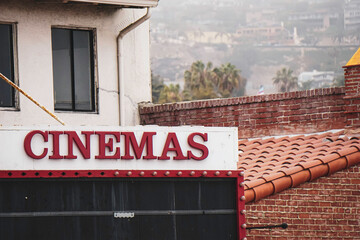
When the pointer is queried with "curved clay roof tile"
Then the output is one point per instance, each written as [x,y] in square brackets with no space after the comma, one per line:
[292,170]
[318,171]
[273,176]
[263,190]
[352,159]
[309,164]
[281,184]
[288,165]
[255,182]
[337,165]
[300,177]
[329,157]
[249,195]
[347,151]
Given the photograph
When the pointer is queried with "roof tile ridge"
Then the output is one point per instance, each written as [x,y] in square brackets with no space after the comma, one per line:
[266,145]
[242,141]
[337,142]
[297,137]
[324,135]
[311,170]
[249,146]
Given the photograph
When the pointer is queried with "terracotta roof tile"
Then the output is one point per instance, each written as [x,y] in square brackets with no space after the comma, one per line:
[337,165]
[318,171]
[309,164]
[300,177]
[274,164]
[352,159]
[263,191]
[273,176]
[281,184]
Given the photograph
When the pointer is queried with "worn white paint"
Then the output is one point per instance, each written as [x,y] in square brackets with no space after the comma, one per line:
[34,20]
[222,145]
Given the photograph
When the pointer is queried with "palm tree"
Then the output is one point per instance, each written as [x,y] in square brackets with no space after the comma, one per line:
[206,82]
[285,81]
[198,81]
[228,79]
[170,94]
[157,85]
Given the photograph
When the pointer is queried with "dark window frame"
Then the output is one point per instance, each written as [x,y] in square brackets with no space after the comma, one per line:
[14,71]
[93,72]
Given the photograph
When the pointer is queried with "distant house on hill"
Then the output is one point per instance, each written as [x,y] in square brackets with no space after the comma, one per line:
[317,79]
[321,20]
[352,15]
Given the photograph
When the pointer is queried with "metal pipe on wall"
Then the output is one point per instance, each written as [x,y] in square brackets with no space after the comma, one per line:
[120,62]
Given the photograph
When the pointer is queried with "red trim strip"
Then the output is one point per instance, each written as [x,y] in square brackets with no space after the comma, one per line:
[241,206]
[116,173]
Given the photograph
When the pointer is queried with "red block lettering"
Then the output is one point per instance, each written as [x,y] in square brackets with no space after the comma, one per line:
[199,146]
[84,149]
[56,145]
[172,139]
[147,138]
[27,144]
[108,145]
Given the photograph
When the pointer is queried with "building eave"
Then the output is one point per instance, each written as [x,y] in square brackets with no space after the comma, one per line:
[118,3]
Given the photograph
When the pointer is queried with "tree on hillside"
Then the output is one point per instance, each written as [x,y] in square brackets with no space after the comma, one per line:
[198,82]
[170,94]
[229,81]
[285,81]
[206,82]
[157,85]
[201,82]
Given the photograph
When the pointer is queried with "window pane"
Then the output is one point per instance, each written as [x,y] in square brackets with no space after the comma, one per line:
[6,66]
[83,70]
[61,49]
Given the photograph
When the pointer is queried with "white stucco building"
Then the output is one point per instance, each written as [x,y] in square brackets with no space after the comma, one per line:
[317,79]
[86,61]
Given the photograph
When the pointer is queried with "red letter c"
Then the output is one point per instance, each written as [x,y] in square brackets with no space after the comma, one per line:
[27,144]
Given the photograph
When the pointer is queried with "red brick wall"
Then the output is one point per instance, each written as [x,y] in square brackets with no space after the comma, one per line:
[266,115]
[352,83]
[328,208]
[352,89]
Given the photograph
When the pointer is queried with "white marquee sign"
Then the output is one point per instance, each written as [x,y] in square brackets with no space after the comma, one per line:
[141,147]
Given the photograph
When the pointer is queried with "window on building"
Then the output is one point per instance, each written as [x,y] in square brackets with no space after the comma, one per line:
[7,93]
[73,69]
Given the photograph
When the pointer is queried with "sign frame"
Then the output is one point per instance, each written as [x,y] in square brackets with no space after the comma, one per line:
[82,148]
[59,174]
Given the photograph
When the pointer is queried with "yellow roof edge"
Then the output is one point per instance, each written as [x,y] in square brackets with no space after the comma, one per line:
[354,60]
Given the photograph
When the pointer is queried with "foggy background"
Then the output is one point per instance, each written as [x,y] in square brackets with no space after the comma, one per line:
[258,37]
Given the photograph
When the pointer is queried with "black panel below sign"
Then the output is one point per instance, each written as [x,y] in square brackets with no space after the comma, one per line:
[198,208]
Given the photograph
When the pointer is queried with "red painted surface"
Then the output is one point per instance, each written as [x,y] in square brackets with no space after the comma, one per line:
[119,173]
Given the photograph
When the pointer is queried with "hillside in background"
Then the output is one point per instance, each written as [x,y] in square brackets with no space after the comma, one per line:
[259,39]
